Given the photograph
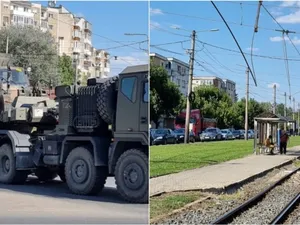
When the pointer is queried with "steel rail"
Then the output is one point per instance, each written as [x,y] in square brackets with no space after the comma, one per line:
[229,216]
[283,215]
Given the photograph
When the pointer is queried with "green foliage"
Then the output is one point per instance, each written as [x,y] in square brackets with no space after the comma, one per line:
[165,97]
[67,71]
[29,46]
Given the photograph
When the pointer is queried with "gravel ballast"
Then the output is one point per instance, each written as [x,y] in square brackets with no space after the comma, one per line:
[266,210]
[208,211]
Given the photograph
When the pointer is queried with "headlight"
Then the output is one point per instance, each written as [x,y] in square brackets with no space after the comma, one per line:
[181,136]
[158,138]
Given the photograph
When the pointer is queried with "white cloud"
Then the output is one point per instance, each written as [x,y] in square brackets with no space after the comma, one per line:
[276,12]
[292,18]
[272,85]
[288,3]
[154,24]
[295,40]
[155,12]
[175,26]
[253,49]
[133,59]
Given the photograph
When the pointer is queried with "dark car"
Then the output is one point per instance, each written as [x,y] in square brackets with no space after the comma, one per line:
[163,137]
[238,134]
[180,133]
[211,134]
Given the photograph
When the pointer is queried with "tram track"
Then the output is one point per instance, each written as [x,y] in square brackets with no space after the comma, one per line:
[270,206]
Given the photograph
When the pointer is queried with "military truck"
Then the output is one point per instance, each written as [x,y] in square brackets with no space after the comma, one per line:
[71,136]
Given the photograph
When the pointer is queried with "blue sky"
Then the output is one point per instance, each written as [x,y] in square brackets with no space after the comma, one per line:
[112,20]
[231,65]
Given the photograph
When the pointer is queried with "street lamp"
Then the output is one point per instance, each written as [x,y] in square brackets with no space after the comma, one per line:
[210,30]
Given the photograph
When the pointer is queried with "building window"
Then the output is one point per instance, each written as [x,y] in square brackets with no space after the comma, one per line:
[179,69]
[26,9]
[50,15]
[15,7]
[6,7]
[5,20]
[128,88]
[43,14]
[51,27]
[178,82]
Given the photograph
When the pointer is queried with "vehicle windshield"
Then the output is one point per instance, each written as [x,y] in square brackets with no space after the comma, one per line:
[17,77]
[179,131]
[161,131]
[236,132]
[211,130]
[224,131]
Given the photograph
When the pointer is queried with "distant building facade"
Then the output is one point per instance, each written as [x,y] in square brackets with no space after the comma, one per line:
[227,85]
[178,70]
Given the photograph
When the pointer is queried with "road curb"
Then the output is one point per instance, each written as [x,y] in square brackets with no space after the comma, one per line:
[231,187]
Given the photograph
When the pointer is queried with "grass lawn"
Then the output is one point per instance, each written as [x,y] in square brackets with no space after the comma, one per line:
[165,204]
[167,159]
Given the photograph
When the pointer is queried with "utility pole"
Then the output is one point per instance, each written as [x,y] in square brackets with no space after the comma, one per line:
[285,109]
[294,110]
[188,104]
[274,101]
[246,105]
[298,117]
[7,42]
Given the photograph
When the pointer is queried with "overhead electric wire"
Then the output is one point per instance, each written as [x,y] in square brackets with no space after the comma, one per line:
[171,43]
[253,77]
[167,31]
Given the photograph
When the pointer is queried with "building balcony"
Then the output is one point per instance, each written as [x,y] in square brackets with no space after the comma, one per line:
[76,50]
[88,41]
[88,52]
[87,63]
[87,27]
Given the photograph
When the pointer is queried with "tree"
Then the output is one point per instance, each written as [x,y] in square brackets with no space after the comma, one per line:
[67,71]
[165,97]
[29,46]
[214,103]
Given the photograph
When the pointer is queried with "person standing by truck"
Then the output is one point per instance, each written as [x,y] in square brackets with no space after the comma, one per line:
[283,142]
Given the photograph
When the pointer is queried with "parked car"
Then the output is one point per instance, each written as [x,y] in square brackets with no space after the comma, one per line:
[210,134]
[238,134]
[180,133]
[227,134]
[250,134]
[163,137]
[151,133]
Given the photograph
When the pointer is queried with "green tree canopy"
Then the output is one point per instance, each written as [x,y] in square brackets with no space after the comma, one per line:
[165,97]
[67,71]
[29,46]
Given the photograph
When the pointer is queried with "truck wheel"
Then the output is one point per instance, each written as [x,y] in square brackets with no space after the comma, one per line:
[106,99]
[8,172]
[82,176]
[131,174]
[44,174]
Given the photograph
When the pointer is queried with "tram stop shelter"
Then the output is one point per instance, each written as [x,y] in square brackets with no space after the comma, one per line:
[267,124]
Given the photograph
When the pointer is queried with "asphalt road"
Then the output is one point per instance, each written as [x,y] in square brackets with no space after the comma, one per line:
[52,203]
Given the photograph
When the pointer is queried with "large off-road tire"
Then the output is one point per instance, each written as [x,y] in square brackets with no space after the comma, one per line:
[44,174]
[106,100]
[8,172]
[82,177]
[131,174]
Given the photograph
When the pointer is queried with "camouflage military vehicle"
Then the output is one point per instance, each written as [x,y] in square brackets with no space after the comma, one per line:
[71,137]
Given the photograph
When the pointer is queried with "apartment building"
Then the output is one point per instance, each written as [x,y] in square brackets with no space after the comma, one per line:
[72,34]
[178,70]
[222,84]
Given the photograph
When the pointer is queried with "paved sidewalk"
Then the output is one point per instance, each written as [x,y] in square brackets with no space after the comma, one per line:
[220,175]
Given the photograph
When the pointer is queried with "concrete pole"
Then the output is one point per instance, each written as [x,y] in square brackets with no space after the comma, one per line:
[188,104]
[285,109]
[7,42]
[274,101]
[246,105]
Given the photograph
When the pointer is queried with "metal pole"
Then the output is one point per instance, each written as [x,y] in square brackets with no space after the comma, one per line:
[246,105]
[285,109]
[257,17]
[274,107]
[294,110]
[188,104]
